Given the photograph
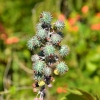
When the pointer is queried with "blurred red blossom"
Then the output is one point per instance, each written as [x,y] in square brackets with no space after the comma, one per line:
[64,91]
[98,14]
[72,21]
[74,28]
[61,90]
[12,40]
[78,17]
[95,26]
[3,36]
[62,17]
[85,9]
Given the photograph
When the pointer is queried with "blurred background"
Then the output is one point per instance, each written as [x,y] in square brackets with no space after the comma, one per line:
[18,19]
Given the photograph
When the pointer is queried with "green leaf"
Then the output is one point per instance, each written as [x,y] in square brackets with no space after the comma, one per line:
[12,90]
[91,66]
[77,94]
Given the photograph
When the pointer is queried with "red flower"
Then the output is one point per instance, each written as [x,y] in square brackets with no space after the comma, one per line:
[12,40]
[59,90]
[61,17]
[95,26]
[78,17]
[85,9]
[98,15]
[74,28]
[72,21]
[64,91]
[3,36]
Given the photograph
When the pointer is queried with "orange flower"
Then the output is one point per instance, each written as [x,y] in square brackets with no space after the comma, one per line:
[3,36]
[95,26]
[78,17]
[61,17]
[72,21]
[59,90]
[74,28]
[64,91]
[12,40]
[98,15]
[85,9]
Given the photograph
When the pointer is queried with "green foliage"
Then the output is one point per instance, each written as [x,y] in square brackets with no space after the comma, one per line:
[12,90]
[77,94]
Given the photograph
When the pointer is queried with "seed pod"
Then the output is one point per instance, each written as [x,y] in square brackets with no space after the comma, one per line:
[64,50]
[45,17]
[38,66]
[56,38]
[30,44]
[39,26]
[36,42]
[35,58]
[62,67]
[38,77]
[47,71]
[59,25]
[48,50]
[42,33]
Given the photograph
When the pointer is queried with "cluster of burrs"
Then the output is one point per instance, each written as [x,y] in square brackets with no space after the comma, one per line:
[47,61]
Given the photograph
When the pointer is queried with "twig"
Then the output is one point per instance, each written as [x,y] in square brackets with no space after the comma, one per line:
[1,97]
[6,72]
[26,69]
[17,89]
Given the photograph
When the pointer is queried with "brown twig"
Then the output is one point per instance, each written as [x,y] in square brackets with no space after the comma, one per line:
[17,89]
[21,65]
[6,72]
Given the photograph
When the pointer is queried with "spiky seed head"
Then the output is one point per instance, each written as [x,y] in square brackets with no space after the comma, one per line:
[64,50]
[55,38]
[36,42]
[48,50]
[35,58]
[30,44]
[45,17]
[59,25]
[62,67]
[39,26]
[38,66]
[42,33]
[47,71]
[38,77]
